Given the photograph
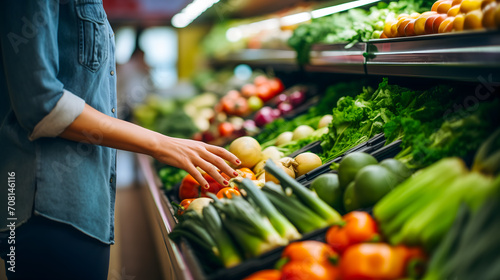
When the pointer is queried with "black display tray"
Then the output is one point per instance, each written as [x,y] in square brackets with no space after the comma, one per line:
[376,142]
[374,146]
[377,150]
[314,147]
[265,261]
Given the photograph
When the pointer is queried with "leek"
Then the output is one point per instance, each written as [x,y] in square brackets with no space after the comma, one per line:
[227,251]
[293,209]
[308,197]
[252,231]
[279,222]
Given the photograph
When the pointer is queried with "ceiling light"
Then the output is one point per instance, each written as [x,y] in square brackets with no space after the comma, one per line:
[339,8]
[296,18]
[191,12]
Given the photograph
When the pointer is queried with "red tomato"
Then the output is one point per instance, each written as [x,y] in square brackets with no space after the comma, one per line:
[227,105]
[191,189]
[246,173]
[267,274]
[184,205]
[260,80]
[297,270]
[249,90]
[276,86]
[226,129]
[359,227]
[310,251]
[241,107]
[232,94]
[264,92]
[372,261]
[227,192]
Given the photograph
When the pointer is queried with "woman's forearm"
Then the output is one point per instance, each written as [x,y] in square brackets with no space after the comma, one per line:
[94,127]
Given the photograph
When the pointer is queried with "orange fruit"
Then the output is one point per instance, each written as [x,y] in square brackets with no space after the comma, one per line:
[473,20]
[443,7]
[453,11]
[489,15]
[470,5]
[458,23]
[446,25]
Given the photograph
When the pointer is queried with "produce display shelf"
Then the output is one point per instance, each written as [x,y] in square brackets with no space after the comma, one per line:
[465,56]
[472,56]
[337,58]
[276,58]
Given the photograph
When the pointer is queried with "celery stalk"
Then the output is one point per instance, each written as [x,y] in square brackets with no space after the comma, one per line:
[431,178]
[279,222]
[307,196]
[430,224]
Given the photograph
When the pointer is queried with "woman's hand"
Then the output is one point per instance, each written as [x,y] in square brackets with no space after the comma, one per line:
[97,128]
[189,154]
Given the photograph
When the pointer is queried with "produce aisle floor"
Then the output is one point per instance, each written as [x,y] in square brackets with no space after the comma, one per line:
[134,255]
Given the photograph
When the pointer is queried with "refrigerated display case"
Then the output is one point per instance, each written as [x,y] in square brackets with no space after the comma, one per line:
[471,57]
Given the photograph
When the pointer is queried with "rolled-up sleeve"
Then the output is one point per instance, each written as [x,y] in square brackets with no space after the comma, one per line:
[30,54]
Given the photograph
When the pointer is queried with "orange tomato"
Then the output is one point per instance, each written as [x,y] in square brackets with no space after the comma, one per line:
[260,80]
[184,205]
[359,227]
[190,188]
[309,250]
[246,173]
[371,261]
[307,270]
[249,90]
[276,86]
[265,92]
[227,193]
[266,274]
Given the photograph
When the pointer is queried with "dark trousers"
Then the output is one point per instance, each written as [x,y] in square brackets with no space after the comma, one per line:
[45,249]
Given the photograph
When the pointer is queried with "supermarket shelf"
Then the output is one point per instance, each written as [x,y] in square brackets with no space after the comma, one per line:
[171,258]
[465,56]
[277,58]
[337,58]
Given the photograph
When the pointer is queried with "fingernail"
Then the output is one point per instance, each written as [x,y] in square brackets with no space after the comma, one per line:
[238,161]
[226,183]
[206,186]
[235,173]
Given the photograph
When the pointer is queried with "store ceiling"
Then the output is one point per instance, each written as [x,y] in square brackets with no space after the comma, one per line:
[155,11]
[143,11]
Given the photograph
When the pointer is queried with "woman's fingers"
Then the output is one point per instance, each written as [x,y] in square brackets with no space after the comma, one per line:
[223,153]
[213,172]
[219,163]
[197,176]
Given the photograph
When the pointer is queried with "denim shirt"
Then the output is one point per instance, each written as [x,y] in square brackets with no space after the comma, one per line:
[56,55]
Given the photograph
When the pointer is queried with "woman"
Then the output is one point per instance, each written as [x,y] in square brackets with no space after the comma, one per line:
[58,135]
